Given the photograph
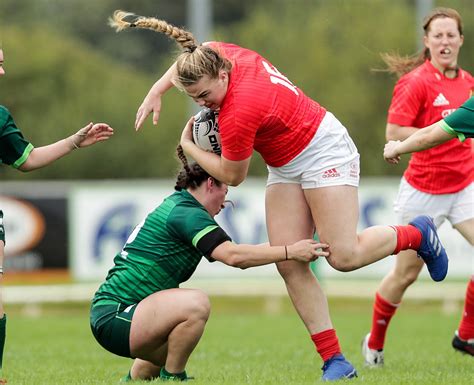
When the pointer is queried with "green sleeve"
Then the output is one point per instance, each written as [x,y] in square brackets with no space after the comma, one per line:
[461,122]
[14,148]
[450,131]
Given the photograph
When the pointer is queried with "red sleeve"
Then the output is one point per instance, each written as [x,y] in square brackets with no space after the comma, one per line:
[407,100]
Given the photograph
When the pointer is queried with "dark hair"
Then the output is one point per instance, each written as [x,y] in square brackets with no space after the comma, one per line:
[401,65]
[191,174]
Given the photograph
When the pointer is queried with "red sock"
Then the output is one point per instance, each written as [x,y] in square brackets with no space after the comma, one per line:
[408,237]
[326,343]
[383,313]
[466,327]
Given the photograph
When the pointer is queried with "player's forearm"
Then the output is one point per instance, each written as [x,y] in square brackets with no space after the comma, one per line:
[244,256]
[228,172]
[424,139]
[163,84]
[45,155]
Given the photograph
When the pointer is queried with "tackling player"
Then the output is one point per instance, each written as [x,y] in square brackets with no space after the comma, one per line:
[140,311]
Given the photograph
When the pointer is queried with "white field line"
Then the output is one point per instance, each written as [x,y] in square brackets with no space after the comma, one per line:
[83,292]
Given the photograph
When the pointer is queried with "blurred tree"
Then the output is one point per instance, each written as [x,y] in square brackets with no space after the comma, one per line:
[65,66]
[330,49]
[55,85]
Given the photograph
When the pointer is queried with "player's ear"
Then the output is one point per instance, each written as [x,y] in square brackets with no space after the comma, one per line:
[210,182]
[223,75]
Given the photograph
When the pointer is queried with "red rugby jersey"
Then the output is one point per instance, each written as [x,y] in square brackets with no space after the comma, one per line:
[263,110]
[421,98]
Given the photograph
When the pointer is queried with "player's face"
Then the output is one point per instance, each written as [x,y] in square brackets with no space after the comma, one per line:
[2,70]
[209,92]
[220,192]
[444,42]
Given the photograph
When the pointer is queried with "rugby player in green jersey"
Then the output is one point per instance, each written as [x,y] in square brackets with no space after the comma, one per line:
[460,124]
[16,151]
[139,311]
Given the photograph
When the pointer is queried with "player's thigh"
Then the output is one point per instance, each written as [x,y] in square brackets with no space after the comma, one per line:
[335,211]
[466,229]
[288,216]
[158,314]
[462,213]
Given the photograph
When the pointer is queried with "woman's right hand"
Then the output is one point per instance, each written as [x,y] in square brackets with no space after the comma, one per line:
[151,103]
[307,250]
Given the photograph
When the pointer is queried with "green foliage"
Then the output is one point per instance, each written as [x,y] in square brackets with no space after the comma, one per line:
[55,85]
[66,67]
[331,50]
[242,344]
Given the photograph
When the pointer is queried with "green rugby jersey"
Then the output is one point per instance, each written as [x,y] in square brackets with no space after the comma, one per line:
[162,251]
[14,149]
[461,121]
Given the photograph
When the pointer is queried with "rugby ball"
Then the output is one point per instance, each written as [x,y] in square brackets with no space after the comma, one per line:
[206,131]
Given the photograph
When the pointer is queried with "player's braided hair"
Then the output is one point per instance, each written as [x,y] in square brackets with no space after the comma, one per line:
[401,65]
[193,63]
[191,175]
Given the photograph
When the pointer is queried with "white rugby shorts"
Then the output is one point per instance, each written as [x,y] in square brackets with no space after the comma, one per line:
[330,159]
[456,208]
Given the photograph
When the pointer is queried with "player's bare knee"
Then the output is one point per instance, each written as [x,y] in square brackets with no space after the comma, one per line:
[407,277]
[200,304]
[342,261]
[342,265]
[290,270]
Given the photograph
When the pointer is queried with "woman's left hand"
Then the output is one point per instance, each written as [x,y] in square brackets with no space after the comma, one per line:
[91,134]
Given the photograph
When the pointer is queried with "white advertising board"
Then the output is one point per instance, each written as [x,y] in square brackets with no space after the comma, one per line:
[103,215]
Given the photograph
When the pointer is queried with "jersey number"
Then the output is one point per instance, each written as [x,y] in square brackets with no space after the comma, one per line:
[278,78]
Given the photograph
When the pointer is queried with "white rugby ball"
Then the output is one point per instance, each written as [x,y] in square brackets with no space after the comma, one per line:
[206,131]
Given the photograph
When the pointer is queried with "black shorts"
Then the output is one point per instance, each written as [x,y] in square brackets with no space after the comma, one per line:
[110,324]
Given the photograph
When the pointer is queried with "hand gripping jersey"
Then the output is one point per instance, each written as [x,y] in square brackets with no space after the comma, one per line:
[421,98]
[14,149]
[263,110]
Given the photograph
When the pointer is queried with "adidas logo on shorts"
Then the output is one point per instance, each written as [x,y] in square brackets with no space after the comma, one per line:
[331,173]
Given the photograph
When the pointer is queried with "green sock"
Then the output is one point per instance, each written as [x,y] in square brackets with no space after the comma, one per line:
[127,378]
[165,375]
[3,326]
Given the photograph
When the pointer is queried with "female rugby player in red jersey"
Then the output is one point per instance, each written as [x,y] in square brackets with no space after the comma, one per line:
[313,169]
[438,181]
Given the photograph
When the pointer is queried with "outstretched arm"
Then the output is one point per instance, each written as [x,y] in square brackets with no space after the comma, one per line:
[152,101]
[244,256]
[86,136]
[423,139]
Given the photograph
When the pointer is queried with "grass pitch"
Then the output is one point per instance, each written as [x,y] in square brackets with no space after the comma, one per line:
[247,341]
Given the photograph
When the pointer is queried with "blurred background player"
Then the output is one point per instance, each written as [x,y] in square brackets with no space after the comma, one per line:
[461,124]
[313,169]
[438,181]
[140,311]
[16,151]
